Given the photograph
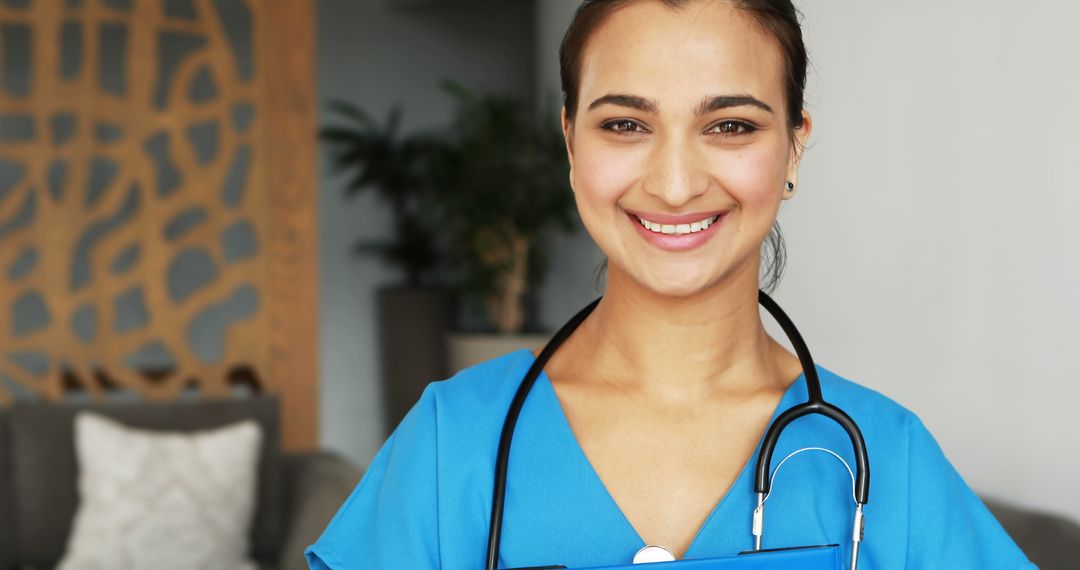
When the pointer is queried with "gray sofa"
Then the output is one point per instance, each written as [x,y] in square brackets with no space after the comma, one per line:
[1051,542]
[297,493]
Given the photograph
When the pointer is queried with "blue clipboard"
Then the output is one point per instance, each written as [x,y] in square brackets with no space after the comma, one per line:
[804,558]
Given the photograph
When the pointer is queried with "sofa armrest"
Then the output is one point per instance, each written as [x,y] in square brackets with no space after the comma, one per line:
[1048,540]
[316,485]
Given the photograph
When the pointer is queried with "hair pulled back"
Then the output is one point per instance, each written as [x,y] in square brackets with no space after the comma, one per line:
[778,18]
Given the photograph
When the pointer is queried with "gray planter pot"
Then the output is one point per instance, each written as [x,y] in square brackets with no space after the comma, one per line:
[467,349]
[413,324]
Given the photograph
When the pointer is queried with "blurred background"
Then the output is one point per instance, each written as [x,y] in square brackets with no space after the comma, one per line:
[302,212]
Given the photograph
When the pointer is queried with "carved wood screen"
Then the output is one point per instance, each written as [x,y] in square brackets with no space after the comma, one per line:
[157,201]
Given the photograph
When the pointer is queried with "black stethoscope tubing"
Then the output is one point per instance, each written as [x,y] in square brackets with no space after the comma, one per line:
[815,404]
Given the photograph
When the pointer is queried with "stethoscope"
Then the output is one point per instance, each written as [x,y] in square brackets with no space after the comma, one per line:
[816,404]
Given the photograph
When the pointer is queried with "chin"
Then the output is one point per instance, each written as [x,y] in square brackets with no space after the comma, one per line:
[674,284]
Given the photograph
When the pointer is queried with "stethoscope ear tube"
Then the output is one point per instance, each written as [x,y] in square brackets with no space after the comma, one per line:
[816,404]
[768,446]
[498,496]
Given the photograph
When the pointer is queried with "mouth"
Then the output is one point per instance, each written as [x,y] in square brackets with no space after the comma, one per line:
[677,229]
[678,233]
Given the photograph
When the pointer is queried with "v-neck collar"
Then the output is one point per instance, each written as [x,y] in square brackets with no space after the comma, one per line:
[545,391]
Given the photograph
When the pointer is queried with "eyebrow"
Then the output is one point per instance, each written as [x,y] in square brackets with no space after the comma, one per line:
[708,104]
[711,104]
[632,101]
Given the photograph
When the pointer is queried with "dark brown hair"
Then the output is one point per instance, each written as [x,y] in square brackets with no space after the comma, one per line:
[778,18]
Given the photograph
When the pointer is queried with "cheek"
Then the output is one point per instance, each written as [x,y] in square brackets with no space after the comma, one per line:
[602,175]
[753,176]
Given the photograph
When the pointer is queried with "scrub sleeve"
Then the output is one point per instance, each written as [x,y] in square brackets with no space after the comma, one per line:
[391,519]
[948,525]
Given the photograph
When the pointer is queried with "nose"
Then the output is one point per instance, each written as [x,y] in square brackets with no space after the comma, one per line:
[676,172]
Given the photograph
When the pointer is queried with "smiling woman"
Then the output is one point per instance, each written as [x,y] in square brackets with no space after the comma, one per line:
[715,103]
[684,127]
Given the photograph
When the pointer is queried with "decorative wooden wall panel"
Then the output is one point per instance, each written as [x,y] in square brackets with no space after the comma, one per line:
[157,200]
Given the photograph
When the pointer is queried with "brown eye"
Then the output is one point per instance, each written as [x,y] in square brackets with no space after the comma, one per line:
[730,128]
[622,126]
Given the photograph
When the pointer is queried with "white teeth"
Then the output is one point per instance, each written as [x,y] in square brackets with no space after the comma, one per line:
[678,229]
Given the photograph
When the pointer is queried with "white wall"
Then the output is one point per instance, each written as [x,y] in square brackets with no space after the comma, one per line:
[375,56]
[935,254]
[934,244]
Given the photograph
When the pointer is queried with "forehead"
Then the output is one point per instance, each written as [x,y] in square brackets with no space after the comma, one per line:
[677,56]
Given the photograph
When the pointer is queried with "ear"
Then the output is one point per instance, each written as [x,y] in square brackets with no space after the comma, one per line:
[799,139]
[568,138]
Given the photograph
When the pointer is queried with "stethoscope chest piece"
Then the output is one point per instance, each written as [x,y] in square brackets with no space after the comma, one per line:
[653,554]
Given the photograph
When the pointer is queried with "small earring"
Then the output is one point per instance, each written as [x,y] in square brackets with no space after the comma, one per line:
[789,186]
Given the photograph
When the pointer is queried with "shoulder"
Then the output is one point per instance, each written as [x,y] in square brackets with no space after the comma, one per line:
[895,435]
[867,406]
[460,418]
[913,477]
[431,474]
[482,390]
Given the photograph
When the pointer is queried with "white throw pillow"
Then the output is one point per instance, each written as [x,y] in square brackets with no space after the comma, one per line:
[162,500]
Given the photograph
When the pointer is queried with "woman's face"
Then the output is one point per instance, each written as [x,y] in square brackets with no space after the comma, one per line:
[681,118]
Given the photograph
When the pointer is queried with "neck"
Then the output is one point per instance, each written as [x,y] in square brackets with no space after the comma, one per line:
[708,344]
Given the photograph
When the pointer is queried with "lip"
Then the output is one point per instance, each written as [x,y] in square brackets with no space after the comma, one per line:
[673,242]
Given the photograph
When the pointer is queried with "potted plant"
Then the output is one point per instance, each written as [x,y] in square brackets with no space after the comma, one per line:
[472,208]
[413,317]
[506,189]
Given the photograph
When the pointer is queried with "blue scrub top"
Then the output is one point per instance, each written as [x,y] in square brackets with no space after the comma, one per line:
[425,500]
